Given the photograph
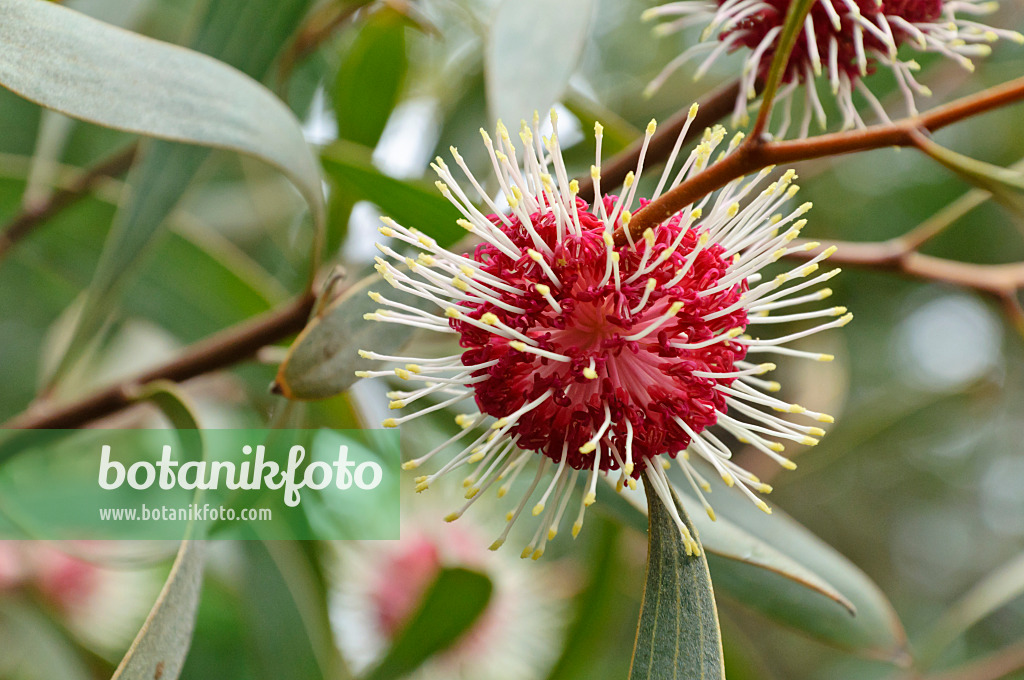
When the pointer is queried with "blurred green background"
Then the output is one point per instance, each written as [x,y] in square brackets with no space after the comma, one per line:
[920,483]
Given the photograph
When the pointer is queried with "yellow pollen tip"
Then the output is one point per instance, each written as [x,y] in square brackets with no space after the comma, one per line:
[364,354]
[630,178]
[825,418]
[410,465]
[576,528]
[415,368]
[626,217]
[501,494]
[497,544]
[773,386]
[402,373]
[526,553]
[460,284]
[826,357]
[589,447]
[389,422]
[697,212]
[451,517]
[534,255]
[765,488]
[452,313]
[552,533]
[816,432]
[362,374]
[628,468]
[500,423]
[595,173]
[472,492]
[711,513]
[845,319]
[537,509]
[574,187]
[398,403]
[652,126]
[632,483]
[763,506]
[476,457]
[590,499]
[543,289]
[421,487]
[536,554]
[589,373]
[674,309]
[490,318]
[809,441]
[788,464]
[728,479]
[518,345]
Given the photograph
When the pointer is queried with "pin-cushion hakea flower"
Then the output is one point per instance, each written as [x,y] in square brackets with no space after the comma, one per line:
[603,358]
[844,40]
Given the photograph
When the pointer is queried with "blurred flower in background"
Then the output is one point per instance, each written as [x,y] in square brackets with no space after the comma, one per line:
[842,40]
[102,606]
[378,586]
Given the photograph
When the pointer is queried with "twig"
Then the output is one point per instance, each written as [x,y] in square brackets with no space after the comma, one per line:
[28,219]
[712,108]
[757,153]
[223,349]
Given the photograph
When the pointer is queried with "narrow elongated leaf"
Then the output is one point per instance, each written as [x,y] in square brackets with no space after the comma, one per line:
[995,591]
[875,631]
[678,635]
[323,359]
[410,203]
[370,78]
[81,67]
[520,77]
[450,607]
[77,65]
[1005,184]
[160,648]
[734,547]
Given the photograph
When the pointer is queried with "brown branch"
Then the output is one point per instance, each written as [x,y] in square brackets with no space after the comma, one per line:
[712,108]
[1000,280]
[28,219]
[757,153]
[222,349]
[322,23]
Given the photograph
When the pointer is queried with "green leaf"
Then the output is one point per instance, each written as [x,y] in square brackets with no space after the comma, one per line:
[993,592]
[74,64]
[520,77]
[370,78]
[287,622]
[875,631]
[449,609]
[678,635]
[410,203]
[791,30]
[1005,184]
[323,359]
[160,648]
[733,547]
[33,648]
[772,564]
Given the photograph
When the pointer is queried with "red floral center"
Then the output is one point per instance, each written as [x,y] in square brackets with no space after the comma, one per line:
[629,343]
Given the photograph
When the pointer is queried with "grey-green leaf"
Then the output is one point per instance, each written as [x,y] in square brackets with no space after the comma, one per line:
[160,648]
[678,635]
[99,73]
[520,77]
[875,631]
[323,359]
[449,609]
